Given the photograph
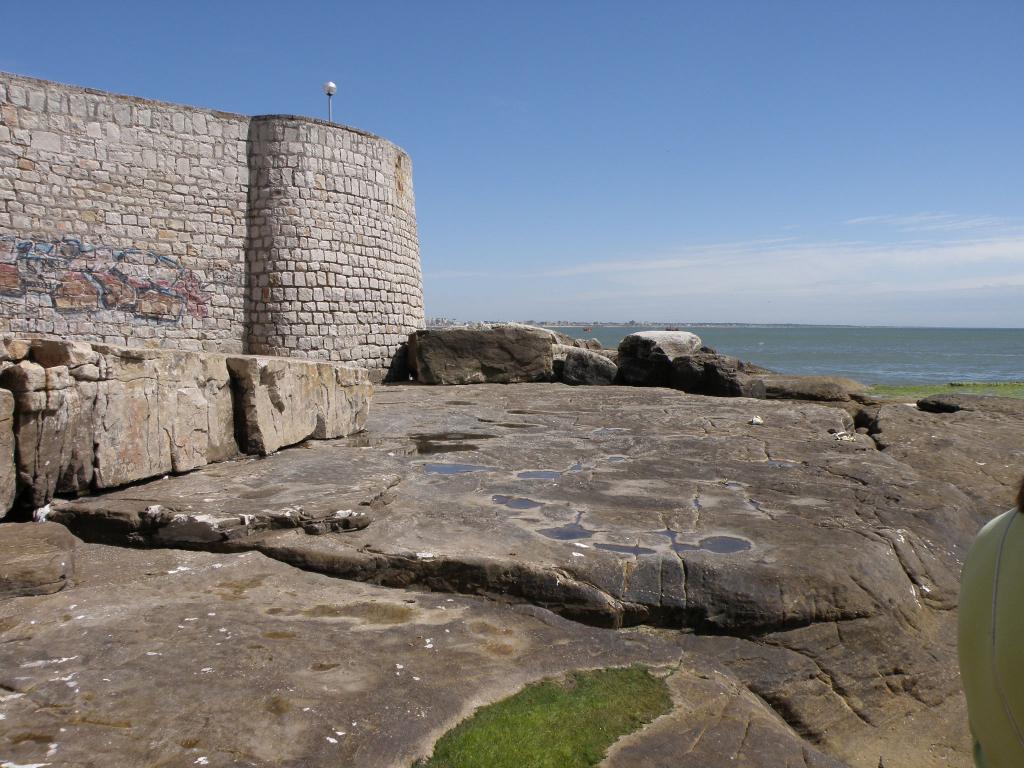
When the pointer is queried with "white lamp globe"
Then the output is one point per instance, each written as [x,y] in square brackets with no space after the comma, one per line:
[330,88]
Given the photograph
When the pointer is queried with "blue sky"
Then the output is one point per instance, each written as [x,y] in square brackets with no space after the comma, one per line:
[716,161]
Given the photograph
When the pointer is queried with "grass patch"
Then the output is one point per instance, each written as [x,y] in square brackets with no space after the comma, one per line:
[566,723]
[917,391]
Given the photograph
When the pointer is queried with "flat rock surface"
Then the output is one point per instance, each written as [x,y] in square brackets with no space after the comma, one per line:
[818,570]
[167,657]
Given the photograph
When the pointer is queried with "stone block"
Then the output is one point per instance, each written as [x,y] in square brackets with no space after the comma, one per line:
[53,352]
[159,412]
[282,401]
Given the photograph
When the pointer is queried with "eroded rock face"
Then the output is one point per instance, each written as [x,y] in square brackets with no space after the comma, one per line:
[47,416]
[35,559]
[645,358]
[284,401]
[500,354]
[8,474]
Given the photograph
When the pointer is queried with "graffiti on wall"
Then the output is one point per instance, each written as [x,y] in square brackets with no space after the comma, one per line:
[79,277]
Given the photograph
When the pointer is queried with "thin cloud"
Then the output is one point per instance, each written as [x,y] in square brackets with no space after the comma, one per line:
[936,222]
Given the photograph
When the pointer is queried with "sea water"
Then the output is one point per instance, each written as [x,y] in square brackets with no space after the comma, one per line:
[873,355]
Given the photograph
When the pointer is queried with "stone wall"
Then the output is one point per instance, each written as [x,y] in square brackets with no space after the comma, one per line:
[139,223]
[121,220]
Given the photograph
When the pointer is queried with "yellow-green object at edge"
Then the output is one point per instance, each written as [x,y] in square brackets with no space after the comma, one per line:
[991,641]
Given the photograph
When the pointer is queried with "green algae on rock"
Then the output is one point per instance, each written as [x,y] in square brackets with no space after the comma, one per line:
[564,723]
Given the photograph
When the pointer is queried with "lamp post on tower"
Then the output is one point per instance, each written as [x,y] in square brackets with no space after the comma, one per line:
[330,89]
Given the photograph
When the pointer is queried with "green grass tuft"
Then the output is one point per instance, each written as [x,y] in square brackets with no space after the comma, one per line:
[917,391]
[567,723]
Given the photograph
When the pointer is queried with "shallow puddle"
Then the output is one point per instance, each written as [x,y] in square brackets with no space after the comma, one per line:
[539,474]
[516,502]
[616,459]
[719,545]
[609,431]
[780,464]
[448,442]
[569,531]
[454,469]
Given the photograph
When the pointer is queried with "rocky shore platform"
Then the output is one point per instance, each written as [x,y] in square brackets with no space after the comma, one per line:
[348,601]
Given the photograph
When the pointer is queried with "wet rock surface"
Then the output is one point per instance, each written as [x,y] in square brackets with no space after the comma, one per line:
[815,571]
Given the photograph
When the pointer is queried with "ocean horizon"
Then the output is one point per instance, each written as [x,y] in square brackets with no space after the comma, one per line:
[890,355]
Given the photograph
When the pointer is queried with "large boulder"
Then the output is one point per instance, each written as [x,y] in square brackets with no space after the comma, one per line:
[498,354]
[282,401]
[645,358]
[35,558]
[705,372]
[577,365]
